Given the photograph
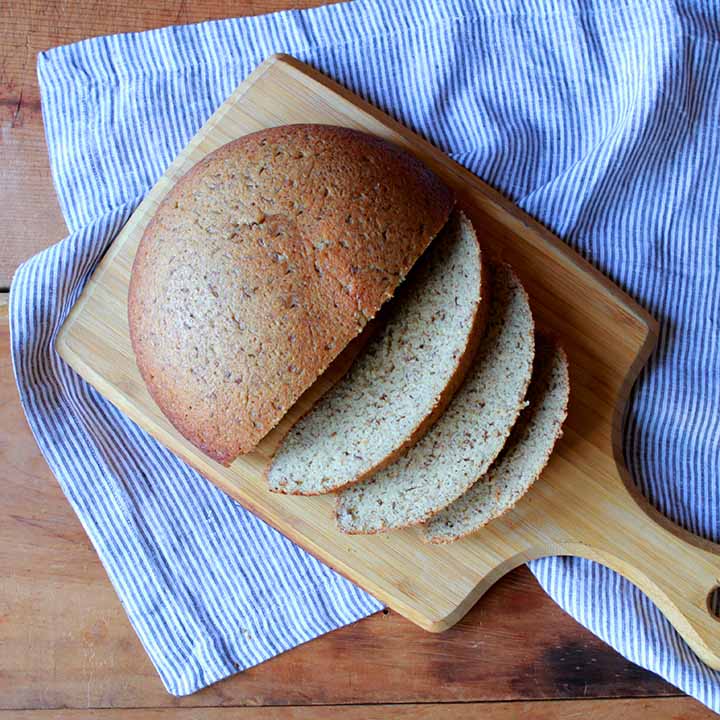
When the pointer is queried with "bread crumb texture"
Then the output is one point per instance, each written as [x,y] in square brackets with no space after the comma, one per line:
[522,460]
[463,443]
[402,380]
[262,263]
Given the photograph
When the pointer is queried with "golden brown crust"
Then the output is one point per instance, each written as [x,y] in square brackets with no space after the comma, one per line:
[463,365]
[433,511]
[262,263]
[547,344]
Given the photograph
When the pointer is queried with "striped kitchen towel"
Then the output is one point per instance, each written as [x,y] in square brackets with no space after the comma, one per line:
[600,119]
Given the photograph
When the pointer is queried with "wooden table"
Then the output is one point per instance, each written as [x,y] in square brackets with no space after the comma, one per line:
[66,647]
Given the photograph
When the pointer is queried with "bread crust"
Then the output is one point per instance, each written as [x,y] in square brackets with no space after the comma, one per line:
[262,263]
[504,433]
[462,366]
[550,345]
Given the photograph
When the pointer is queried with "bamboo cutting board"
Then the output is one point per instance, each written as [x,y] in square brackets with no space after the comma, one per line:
[582,505]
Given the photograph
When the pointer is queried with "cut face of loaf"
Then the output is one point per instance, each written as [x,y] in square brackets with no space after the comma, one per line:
[527,452]
[467,438]
[262,263]
[402,381]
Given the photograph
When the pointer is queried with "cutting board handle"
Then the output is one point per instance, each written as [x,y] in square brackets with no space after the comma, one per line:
[677,571]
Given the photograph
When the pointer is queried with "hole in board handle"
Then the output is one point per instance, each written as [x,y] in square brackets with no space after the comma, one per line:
[713,602]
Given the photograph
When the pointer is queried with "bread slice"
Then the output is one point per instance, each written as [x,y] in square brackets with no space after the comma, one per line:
[463,443]
[402,381]
[262,263]
[527,452]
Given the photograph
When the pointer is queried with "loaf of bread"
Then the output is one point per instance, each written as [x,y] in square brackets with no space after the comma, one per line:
[522,460]
[402,381]
[460,447]
[262,263]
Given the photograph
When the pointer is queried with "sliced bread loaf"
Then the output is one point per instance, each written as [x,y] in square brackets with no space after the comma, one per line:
[402,381]
[262,263]
[467,438]
[525,455]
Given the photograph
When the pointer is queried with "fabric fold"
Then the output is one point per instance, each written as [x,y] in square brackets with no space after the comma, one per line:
[601,121]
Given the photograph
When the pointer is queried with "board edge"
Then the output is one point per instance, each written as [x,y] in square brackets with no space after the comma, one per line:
[505,206]
[493,196]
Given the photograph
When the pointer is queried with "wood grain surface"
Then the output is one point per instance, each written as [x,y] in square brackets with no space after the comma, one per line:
[641,709]
[64,638]
[582,493]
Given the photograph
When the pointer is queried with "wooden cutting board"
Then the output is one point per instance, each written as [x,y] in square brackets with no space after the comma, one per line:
[584,504]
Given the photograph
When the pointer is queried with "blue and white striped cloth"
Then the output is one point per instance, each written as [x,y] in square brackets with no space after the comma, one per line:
[602,120]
